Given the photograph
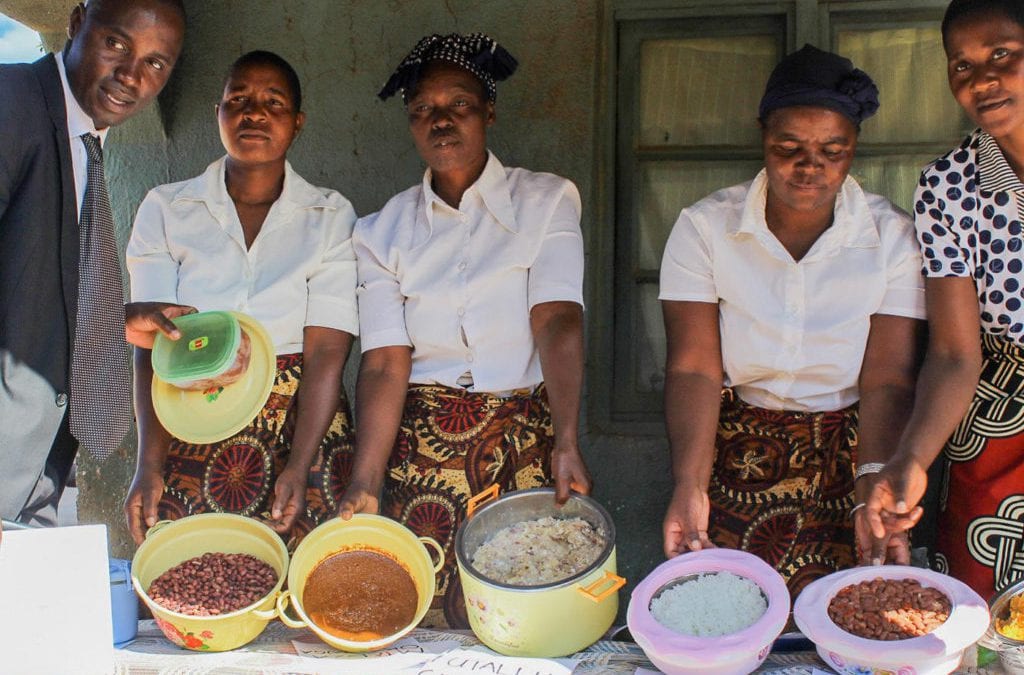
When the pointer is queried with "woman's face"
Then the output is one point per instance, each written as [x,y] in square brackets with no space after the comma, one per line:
[257,116]
[448,116]
[807,155]
[985,58]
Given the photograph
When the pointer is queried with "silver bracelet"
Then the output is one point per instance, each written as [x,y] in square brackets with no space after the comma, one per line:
[865,469]
[857,507]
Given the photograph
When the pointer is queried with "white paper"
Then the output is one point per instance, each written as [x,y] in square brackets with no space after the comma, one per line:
[646,671]
[56,602]
[406,645]
[478,661]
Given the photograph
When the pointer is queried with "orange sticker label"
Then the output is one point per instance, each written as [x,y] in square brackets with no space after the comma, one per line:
[198,343]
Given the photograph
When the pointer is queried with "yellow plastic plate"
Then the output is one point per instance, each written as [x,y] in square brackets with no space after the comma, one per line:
[211,416]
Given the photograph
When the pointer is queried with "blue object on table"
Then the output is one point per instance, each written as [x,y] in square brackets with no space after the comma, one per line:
[124,606]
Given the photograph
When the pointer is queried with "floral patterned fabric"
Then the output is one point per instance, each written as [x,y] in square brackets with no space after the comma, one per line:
[237,475]
[453,444]
[782,488]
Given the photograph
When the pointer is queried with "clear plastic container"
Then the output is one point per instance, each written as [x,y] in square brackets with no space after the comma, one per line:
[208,347]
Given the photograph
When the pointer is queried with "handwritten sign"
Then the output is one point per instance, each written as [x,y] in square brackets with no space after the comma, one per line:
[480,662]
[404,646]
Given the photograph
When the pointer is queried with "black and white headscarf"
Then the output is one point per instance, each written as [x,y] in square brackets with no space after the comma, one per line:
[477,53]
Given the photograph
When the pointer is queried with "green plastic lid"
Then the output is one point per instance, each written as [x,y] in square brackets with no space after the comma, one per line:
[207,347]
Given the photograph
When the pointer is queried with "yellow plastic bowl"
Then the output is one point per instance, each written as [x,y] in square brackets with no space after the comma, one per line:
[362,532]
[172,542]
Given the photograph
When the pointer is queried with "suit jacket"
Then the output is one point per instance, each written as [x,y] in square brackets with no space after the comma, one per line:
[38,272]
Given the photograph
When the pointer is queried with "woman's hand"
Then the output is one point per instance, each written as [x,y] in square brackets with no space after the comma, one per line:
[893,548]
[570,473]
[891,505]
[358,498]
[289,499]
[686,522]
[140,506]
[142,321]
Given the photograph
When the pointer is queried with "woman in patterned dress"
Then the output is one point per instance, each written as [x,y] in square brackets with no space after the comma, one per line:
[251,235]
[801,293]
[969,216]
[470,302]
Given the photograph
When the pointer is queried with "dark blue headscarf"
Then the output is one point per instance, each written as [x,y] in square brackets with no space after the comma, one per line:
[813,77]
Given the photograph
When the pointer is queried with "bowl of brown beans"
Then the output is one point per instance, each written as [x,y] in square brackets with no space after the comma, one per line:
[891,618]
[211,580]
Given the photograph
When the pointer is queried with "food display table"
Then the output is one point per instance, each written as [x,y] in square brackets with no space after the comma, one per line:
[284,650]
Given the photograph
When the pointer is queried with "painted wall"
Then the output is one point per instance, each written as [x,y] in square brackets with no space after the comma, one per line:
[547,120]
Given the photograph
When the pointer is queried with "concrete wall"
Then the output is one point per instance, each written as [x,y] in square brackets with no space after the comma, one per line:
[548,117]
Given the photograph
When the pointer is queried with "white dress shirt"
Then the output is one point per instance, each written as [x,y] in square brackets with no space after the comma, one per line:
[187,246]
[793,333]
[78,123]
[457,285]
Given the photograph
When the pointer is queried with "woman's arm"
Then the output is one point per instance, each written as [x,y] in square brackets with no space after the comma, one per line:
[147,487]
[324,353]
[887,378]
[693,391]
[558,332]
[380,398]
[945,388]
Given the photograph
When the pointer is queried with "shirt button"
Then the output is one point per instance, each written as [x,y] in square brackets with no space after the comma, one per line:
[61,400]
[462,265]
[462,311]
[469,358]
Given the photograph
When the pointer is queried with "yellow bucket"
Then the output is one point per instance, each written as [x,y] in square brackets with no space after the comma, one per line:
[169,543]
[362,532]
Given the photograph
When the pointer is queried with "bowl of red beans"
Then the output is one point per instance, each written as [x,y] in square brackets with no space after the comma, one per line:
[892,618]
[211,580]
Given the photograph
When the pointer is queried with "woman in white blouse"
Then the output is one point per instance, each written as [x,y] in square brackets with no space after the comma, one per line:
[470,302]
[802,295]
[250,235]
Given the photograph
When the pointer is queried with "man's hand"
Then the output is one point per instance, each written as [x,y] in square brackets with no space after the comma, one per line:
[142,320]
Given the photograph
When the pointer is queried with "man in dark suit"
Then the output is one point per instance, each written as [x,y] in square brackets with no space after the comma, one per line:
[118,57]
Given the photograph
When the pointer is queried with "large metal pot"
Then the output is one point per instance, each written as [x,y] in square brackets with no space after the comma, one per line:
[541,621]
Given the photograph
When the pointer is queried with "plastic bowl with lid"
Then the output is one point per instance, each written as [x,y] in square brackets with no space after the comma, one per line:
[934,653]
[740,652]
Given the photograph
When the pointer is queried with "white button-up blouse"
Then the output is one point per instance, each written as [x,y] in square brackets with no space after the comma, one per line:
[793,333]
[187,246]
[457,285]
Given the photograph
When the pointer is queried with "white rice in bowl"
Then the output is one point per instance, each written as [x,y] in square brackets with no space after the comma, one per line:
[540,551]
[710,605]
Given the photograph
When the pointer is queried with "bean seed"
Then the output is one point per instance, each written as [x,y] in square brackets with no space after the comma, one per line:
[213,583]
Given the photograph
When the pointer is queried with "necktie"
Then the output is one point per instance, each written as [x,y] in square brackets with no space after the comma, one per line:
[100,407]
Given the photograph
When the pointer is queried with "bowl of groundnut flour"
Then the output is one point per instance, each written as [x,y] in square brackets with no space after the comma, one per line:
[891,618]
[713,612]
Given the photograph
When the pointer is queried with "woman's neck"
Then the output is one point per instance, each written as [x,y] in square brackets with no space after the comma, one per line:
[251,185]
[450,185]
[796,230]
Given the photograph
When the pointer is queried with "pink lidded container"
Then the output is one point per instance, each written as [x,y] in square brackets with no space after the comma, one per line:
[733,654]
[936,653]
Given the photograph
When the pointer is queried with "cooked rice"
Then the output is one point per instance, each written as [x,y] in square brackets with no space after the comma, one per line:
[713,604]
[540,551]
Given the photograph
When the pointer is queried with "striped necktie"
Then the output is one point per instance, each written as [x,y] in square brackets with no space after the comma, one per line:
[100,405]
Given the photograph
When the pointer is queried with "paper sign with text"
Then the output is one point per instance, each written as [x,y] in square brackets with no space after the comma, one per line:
[480,662]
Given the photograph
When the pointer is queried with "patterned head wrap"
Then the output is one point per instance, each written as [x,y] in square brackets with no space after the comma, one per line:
[477,53]
[813,77]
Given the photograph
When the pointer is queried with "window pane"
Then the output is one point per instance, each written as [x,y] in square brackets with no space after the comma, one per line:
[895,176]
[704,91]
[668,187]
[650,341]
[909,67]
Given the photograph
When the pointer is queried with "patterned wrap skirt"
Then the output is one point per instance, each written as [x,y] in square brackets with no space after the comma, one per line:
[782,488]
[981,505]
[452,445]
[237,475]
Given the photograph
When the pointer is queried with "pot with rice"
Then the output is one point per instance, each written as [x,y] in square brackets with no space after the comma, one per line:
[712,612]
[539,580]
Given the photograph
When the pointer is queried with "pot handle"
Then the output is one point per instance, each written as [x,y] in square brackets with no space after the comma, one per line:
[430,543]
[282,613]
[157,526]
[616,582]
[481,499]
[266,614]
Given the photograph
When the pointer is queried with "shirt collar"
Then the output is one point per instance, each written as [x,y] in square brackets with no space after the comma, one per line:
[853,224]
[994,172]
[491,186]
[78,121]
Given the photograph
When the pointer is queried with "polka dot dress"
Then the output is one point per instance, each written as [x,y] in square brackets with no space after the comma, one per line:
[969,224]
